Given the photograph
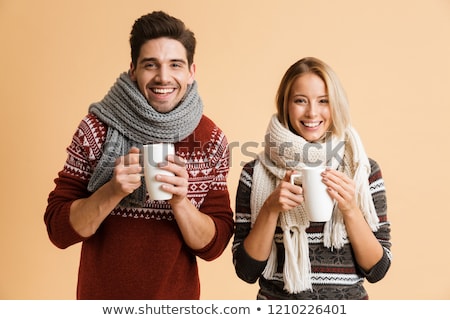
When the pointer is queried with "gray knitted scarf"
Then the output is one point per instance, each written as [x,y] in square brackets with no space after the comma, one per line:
[131,121]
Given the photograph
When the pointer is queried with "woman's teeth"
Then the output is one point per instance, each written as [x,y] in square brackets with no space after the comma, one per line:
[311,124]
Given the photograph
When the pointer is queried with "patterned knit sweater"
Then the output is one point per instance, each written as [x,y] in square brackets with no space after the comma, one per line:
[335,274]
[139,253]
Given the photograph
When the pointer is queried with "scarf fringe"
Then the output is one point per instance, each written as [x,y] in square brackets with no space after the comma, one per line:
[297,266]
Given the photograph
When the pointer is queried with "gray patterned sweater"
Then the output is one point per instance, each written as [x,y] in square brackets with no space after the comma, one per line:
[334,273]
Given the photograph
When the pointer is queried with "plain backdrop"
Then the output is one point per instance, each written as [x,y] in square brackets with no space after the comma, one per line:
[393,58]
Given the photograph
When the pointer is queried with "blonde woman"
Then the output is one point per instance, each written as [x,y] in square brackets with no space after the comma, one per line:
[274,241]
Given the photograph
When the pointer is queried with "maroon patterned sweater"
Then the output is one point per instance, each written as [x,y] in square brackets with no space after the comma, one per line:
[139,253]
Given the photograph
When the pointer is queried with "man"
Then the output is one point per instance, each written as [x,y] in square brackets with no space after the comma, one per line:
[132,247]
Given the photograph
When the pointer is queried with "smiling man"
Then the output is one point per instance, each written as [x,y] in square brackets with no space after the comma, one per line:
[163,73]
[133,247]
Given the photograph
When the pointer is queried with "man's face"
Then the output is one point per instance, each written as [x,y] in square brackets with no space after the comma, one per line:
[162,73]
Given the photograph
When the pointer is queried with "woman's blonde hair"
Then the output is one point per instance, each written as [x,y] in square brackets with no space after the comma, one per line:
[340,114]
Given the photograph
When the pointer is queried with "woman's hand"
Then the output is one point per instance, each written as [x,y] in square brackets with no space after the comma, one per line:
[368,251]
[286,196]
[342,189]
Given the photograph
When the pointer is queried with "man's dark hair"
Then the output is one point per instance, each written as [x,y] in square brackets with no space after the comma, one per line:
[159,24]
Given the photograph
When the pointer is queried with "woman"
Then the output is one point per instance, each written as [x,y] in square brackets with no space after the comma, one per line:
[274,241]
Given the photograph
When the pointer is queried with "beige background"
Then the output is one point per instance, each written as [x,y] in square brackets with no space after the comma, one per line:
[393,58]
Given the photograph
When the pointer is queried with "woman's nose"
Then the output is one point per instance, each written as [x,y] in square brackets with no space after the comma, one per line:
[311,110]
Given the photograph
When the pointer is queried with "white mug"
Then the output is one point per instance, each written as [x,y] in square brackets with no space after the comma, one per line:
[155,153]
[318,203]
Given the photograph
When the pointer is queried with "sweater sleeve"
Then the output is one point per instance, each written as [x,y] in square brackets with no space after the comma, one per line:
[217,201]
[383,234]
[71,183]
[247,268]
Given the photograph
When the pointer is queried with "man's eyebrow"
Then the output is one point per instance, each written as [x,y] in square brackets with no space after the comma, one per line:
[147,60]
[151,59]
[179,61]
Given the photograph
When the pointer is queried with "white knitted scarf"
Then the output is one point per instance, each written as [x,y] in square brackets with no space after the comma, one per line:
[284,151]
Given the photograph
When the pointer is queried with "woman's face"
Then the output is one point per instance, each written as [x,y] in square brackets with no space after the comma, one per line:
[308,107]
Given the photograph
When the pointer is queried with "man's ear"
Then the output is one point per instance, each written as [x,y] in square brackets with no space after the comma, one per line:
[132,72]
[192,73]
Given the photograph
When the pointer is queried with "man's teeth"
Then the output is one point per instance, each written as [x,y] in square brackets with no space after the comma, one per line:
[162,91]
[311,124]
